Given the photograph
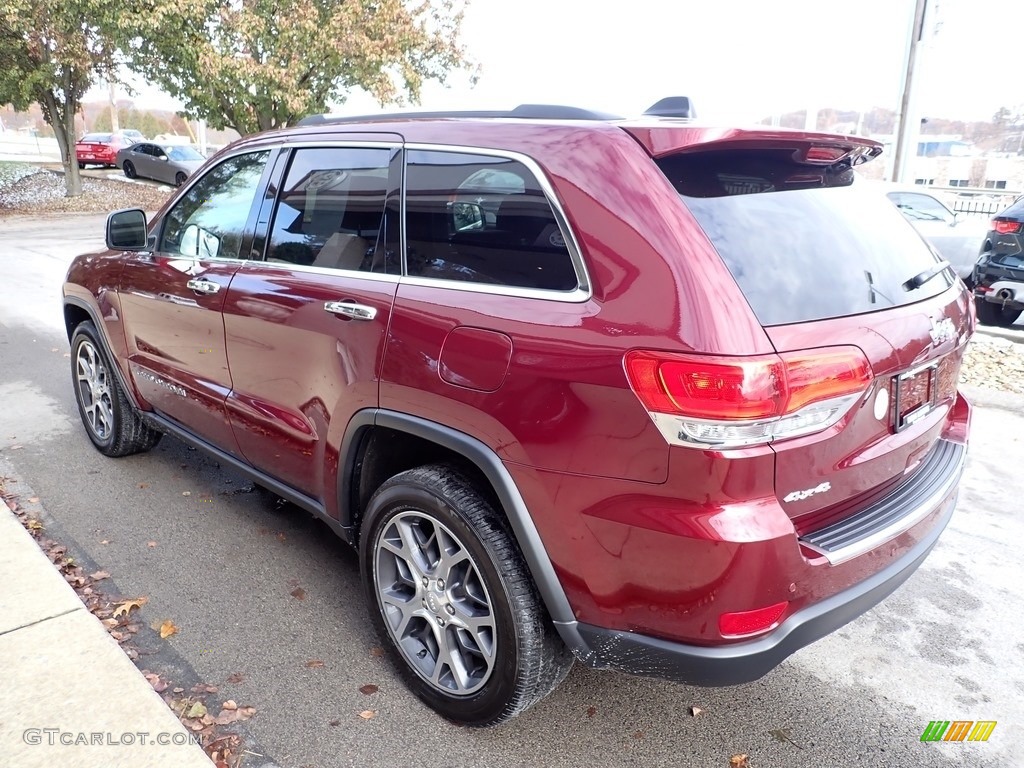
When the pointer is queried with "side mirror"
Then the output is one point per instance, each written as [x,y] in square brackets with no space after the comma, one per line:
[126,230]
[467,216]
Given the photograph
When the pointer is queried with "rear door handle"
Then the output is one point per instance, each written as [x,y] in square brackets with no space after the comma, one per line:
[204,286]
[350,309]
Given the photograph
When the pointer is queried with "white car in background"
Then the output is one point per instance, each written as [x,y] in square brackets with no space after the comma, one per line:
[957,237]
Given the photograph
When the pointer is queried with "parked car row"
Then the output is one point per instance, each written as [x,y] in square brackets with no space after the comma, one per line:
[988,257]
[137,158]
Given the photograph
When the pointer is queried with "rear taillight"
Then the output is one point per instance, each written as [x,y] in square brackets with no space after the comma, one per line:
[1006,227]
[729,402]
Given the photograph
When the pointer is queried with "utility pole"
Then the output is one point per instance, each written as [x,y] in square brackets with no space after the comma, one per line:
[907,126]
[113,108]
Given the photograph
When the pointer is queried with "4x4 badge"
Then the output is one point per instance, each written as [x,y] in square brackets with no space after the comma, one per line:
[801,495]
[942,331]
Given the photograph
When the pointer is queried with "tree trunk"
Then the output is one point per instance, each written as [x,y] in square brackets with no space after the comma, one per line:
[62,120]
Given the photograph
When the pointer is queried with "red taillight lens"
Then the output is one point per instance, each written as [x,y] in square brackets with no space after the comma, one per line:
[763,387]
[751,622]
[823,375]
[744,389]
[1006,227]
[825,155]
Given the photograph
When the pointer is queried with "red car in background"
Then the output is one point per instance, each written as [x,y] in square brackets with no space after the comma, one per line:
[100,148]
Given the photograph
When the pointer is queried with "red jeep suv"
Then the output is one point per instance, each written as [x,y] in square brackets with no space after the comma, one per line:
[663,397]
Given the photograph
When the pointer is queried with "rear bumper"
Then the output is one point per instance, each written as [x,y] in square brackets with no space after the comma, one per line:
[743,662]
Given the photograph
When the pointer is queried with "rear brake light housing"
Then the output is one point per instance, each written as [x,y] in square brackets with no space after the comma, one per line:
[717,402]
[1006,227]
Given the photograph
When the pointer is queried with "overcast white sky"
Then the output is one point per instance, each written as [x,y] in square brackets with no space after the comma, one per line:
[739,60]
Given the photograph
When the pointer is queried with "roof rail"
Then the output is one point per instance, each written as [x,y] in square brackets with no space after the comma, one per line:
[523,112]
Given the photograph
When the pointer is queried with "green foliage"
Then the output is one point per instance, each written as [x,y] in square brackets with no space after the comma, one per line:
[263,64]
[50,53]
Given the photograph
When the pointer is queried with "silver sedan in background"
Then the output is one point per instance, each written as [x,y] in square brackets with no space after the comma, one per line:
[170,163]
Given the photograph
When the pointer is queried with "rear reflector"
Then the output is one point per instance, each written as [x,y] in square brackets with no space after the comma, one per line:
[1006,227]
[743,623]
[735,401]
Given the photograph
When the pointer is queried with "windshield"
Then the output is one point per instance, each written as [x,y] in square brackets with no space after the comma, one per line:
[182,153]
[801,242]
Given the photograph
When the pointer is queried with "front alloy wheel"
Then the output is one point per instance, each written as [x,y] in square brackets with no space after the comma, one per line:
[93,381]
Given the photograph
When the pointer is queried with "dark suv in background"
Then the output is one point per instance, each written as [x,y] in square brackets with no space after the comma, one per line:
[646,393]
[999,273]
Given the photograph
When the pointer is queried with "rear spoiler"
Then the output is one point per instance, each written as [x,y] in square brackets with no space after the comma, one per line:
[811,148]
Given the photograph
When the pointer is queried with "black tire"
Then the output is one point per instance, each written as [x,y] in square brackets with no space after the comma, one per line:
[114,426]
[529,660]
[81,166]
[179,178]
[996,315]
[129,169]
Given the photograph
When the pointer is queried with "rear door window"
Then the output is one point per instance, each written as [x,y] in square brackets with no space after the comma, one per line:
[482,219]
[803,242]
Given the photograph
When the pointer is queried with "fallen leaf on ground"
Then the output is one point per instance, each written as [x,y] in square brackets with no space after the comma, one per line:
[314,663]
[186,493]
[167,629]
[298,593]
[34,525]
[739,761]
[230,704]
[104,542]
[591,711]
[694,711]
[235,677]
[179,690]
[99,575]
[228,716]
[368,714]
[377,651]
[33,500]
[150,544]
[15,447]
[143,485]
[335,722]
[281,536]
[638,735]
[368,689]
[198,709]
[125,606]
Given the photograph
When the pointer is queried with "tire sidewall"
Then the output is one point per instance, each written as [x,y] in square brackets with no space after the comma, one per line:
[491,700]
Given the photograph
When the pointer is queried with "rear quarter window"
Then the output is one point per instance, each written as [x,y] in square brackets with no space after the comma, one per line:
[804,243]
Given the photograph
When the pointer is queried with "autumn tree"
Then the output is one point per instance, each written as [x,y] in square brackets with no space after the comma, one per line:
[252,65]
[50,54]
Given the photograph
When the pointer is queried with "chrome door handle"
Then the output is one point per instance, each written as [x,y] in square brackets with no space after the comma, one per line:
[350,309]
[202,285]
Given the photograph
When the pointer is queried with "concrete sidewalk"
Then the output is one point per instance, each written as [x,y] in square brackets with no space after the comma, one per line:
[69,696]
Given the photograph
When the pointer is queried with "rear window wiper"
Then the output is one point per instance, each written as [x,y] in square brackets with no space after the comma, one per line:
[923,277]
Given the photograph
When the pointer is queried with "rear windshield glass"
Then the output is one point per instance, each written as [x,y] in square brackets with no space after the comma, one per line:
[803,243]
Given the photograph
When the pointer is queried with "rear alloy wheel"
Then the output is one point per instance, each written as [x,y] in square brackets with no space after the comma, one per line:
[990,313]
[449,592]
[110,420]
[179,179]
[129,169]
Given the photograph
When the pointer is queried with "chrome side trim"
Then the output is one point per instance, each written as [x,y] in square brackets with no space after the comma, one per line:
[584,289]
[923,508]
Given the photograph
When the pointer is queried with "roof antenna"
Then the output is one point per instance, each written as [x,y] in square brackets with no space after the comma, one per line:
[672,106]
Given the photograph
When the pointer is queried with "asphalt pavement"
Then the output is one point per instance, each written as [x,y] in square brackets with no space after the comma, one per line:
[262,594]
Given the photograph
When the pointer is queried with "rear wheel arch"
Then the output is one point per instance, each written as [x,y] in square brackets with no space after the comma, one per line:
[381,443]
